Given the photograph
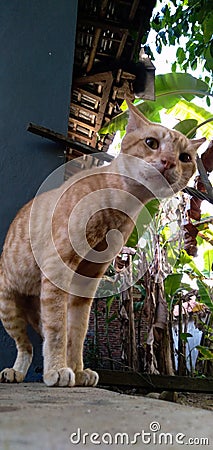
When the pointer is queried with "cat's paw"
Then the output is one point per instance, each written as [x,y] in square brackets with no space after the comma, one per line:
[86,377]
[11,376]
[62,377]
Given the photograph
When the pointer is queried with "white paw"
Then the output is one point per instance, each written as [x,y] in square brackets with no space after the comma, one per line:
[61,377]
[11,376]
[86,377]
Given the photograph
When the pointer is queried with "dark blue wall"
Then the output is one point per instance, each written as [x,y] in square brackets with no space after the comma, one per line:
[37,40]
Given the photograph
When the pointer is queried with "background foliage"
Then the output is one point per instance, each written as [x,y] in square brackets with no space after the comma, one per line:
[193,21]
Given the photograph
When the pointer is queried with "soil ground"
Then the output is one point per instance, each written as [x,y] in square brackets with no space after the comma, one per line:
[204,401]
[197,400]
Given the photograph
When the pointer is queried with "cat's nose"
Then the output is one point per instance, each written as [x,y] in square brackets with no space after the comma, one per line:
[168,163]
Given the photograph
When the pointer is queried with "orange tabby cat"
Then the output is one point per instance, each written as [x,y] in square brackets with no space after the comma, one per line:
[61,243]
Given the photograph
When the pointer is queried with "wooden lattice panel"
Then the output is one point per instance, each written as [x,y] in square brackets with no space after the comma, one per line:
[108,37]
[105,29]
[90,96]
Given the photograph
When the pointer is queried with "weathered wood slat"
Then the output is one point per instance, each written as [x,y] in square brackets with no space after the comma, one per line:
[155,382]
[105,24]
[87,93]
[66,142]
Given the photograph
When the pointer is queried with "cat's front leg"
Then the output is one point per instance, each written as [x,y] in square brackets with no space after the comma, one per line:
[15,323]
[77,323]
[54,328]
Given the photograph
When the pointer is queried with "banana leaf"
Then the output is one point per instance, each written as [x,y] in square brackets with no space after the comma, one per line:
[180,85]
[208,263]
[172,283]
[187,127]
[184,111]
[170,89]
[204,295]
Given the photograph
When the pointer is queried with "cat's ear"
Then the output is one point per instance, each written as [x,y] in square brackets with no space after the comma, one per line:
[197,142]
[136,119]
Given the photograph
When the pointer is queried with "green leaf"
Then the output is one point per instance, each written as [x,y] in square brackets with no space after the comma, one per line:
[150,109]
[138,306]
[206,232]
[205,351]
[159,48]
[109,302]
[119,122]
[193,20]
[181,55]
[162,35]
[174,67]
[194,64]
[184,336]
[185,26]
[184,110]
[187,127]
[144,218]
[111,318]
[186,287]
[207,27]
[208,56]
[170,88]
[184,260]
[172,283]
[204,295]
[165,232]
[208,263]
[172,253]
[133,238]
[181,85]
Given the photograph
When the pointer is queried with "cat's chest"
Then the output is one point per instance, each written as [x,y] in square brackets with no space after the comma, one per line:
[25,281]
[21,271]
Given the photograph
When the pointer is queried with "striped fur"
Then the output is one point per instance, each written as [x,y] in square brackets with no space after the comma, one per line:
[52,286]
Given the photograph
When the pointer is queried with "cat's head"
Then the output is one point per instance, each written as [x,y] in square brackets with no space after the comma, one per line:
[168,151]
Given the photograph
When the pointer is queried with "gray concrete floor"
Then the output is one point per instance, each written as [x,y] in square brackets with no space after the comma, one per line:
[33,416]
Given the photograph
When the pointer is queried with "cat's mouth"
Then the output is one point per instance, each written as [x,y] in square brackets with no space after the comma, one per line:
[170,174]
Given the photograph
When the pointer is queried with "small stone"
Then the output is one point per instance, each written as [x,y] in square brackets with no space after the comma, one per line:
[153,395]
[169,396]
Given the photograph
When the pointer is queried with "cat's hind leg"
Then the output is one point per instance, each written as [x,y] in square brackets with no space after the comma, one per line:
[77,323]
[14,321]
[54,330]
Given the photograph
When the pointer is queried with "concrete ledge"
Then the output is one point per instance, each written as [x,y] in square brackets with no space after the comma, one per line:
[33,416]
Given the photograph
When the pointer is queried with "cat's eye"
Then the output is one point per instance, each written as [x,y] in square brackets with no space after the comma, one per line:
[185,157]
[152,143]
